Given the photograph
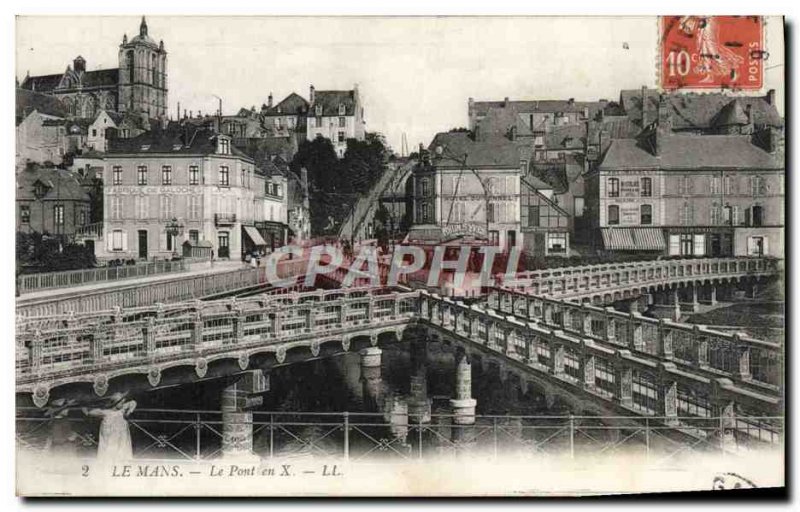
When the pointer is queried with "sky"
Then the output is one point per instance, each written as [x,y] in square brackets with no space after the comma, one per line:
[415,74]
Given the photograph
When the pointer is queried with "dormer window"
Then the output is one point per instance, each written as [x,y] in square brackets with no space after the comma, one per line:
[318,110]
[341,109]
[224,146]
[39,189]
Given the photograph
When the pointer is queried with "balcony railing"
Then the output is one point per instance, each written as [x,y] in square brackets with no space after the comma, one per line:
[94,230]
[50,280]
[224,219]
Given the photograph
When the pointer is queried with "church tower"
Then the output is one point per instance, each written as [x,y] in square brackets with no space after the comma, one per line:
[142,75]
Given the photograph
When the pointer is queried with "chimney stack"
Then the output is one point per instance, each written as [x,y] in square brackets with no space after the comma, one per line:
[505,101]
[311,95]
[771,96]
[644,106]
[269,100]
[79,64]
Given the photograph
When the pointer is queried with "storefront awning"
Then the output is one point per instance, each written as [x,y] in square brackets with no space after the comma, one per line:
[633,239]
[254,235]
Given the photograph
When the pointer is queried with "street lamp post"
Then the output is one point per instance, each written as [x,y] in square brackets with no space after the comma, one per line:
[173,229]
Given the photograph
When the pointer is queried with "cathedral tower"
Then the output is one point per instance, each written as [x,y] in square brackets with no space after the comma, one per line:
[142,75]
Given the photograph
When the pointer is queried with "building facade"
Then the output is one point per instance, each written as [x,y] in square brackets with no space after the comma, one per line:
[337,116]
[184,183]
[468,187]
[690,195]
[50,200]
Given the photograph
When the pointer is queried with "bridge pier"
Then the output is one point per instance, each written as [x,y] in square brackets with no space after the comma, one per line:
[463,405]
[237,421]
[419,407]
[371,377]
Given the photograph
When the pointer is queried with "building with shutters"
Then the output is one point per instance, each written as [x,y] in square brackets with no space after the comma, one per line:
[50,200]
[337,116]
[689,194]
[182,183]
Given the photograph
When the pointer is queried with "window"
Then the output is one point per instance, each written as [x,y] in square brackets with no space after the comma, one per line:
[685,185]
[613,187]
[730,185]
[224,176]
[556,243]
[533,216]
[116,207]
[756,246]
[716,214]
[194,206]
[674,245]
[647,187]
[735,216]
[424,186]
[116,240]
[194,236]
[342,122]
[342,109]
[116,175]
[82,218]
[142,206]
[141,173]
[278,190]
[166,206]
[687,245]
[579,206]
[699,245]
[757,215]
[94,132]
[613,215]
[340,137]
[646,214]
[224,146]
[241,178]
[193,175]
[166,175]
[25,214]
[727,218]
[318,121]
[686,214]
[715,185]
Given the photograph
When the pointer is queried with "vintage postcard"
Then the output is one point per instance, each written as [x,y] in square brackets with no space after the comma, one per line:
[399,256]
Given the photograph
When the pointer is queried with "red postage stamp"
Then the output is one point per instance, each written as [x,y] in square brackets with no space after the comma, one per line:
[712,52]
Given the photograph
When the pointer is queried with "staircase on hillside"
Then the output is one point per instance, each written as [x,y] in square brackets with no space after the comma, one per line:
[356,225]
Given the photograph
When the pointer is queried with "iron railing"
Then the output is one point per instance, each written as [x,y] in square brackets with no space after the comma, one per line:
[50,280]
[196,435]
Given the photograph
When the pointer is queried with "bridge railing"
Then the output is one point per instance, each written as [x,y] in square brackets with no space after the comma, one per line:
[202,329]
[168,290]
[591,278]
[591,360]
[49,280]
[196,435]
[734,355]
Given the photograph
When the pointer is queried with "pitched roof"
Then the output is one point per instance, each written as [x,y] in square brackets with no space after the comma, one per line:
[483,107]
[61,184]
[49,83]
[291,104]
[689,152]
[175,140]
[269,148]
[486,151]
[731,114]
[330,101]
[28,101]
[696,111]
[571,136]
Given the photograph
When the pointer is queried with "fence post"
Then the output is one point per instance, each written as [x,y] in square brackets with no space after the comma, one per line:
[271,436]
[346,436]
[197,427]
[571,437]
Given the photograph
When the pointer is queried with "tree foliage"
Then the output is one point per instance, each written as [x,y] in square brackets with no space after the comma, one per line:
[336,184]
[37,252]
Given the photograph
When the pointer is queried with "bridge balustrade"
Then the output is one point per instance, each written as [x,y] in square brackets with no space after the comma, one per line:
[593,278]
[202,328]
[582,349]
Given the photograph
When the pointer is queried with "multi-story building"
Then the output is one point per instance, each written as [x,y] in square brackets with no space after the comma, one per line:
[287,118]
[469,186]
[692,195]
[336,115]
[138,85]
[50,200]
[182,183]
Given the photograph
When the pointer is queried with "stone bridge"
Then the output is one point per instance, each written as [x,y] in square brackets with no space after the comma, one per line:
[606,361]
